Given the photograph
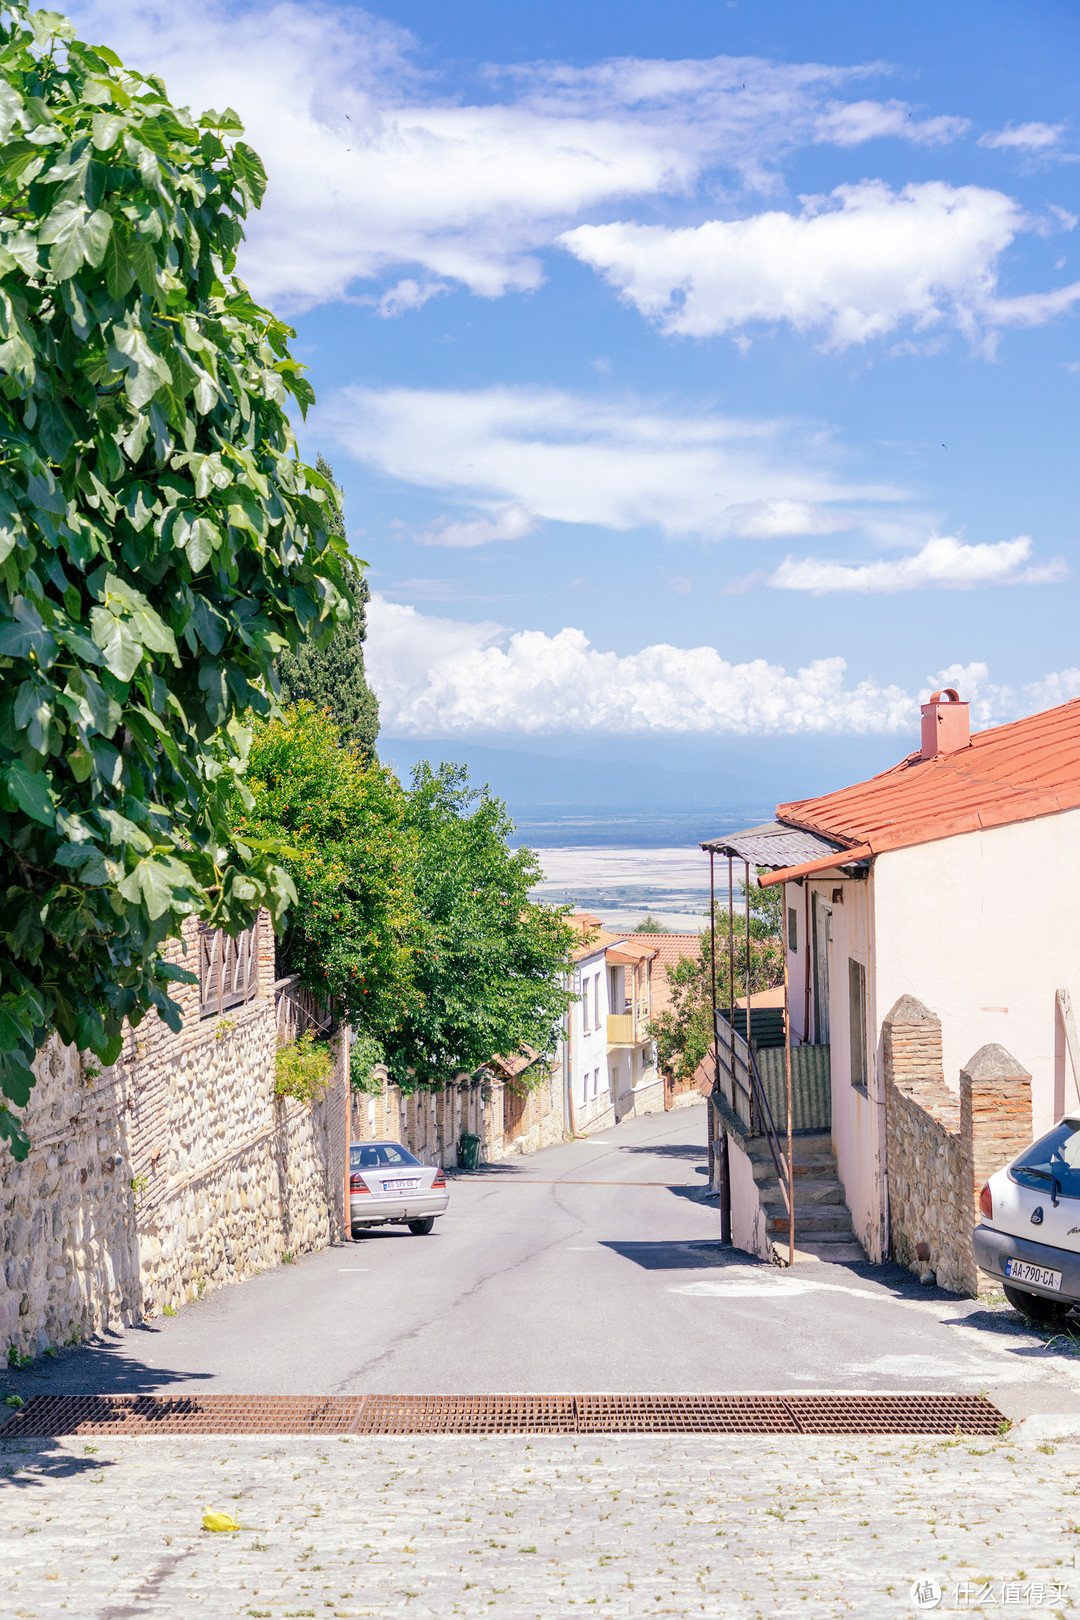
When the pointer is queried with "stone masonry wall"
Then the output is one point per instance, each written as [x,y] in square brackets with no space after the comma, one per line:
[171,1173]
[942,1146]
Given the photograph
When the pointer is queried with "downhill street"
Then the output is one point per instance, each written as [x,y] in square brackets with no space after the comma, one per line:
[593,1266]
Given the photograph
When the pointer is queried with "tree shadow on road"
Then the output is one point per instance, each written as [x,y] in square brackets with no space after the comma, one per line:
[104,1366]
[31,1464]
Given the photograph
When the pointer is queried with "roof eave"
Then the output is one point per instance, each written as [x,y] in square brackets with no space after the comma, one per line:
[825,863]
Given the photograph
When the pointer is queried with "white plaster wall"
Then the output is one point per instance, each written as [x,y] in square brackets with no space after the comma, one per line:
[858,1120]
[798,960]
[589,1046]
[749,1224]
[985,928]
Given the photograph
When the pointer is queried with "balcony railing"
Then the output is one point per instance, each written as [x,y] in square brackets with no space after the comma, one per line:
[629,1028]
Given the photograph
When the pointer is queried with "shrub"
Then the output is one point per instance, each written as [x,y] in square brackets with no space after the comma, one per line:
[304,1068]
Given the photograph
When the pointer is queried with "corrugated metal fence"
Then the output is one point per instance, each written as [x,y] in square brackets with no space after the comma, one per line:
[811,1086]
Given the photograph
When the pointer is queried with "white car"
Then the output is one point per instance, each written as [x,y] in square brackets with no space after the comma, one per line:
[389,1187]
[1029,1235]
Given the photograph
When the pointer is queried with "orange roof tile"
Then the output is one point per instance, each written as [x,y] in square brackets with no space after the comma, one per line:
[669,949]
[1010,773]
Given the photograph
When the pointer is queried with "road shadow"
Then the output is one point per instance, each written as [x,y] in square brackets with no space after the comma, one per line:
[485,1171]
[671,1150]
[109,1365]
[695,1192]
[32,1463]
[1057,1338]
[695,1255]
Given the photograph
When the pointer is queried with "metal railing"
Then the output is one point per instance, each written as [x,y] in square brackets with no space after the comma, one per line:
[742,1090]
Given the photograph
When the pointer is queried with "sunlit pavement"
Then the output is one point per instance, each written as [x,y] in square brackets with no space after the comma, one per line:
[515,1527]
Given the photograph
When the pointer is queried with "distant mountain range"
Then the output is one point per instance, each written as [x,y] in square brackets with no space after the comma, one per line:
[671,774]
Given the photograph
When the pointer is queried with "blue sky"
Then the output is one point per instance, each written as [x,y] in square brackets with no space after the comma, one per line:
[691,370]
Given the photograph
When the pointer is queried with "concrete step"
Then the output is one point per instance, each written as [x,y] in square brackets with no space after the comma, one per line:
[825,1191]
[833,1218]
[812,1152]
[822,1169]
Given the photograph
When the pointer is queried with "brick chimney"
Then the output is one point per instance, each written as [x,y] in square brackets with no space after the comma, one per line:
[946,727]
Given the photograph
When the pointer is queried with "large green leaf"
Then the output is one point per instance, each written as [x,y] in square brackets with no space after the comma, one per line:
[137,414]
[32,793]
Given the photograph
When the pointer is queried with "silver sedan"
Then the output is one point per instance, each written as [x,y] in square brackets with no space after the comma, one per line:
[388,1187]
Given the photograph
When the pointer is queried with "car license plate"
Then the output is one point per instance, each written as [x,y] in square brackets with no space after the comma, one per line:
[401,1187]
[1024,1271]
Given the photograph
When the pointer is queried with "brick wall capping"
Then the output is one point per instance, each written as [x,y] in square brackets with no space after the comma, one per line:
[910,1010]
[993,1062]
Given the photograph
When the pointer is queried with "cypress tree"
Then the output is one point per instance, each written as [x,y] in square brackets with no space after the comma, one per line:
[332,677]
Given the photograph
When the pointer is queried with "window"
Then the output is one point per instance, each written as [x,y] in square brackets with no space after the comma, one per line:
[1053,1158]
[596,1082]
[793,930]
[228,969]
[596,1001]
[857,1014]
[375,1154]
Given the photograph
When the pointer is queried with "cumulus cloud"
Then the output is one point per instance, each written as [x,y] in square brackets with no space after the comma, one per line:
[373,168]
[943,563]
[854,265]
[512,523]
[1024,137]
[582,459]
[438,677]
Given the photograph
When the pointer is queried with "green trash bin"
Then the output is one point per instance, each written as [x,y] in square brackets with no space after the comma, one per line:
[468,1153]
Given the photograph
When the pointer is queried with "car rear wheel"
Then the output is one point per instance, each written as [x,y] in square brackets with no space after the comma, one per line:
[1036,1307]
[422,1228]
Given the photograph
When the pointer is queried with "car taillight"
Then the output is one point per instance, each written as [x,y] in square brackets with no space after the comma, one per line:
[986,1202]
[357,1184]
[440,1179]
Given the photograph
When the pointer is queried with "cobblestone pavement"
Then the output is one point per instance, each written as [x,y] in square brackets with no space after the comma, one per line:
[508,1526]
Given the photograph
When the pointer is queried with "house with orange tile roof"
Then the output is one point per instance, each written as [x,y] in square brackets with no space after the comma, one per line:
[953,878]
[670,949]
[608,1056]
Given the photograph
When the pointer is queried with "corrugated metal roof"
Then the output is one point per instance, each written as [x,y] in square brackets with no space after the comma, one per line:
[1011,773]
[773,845]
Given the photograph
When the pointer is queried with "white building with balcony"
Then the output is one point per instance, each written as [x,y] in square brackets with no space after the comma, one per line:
[608,1056]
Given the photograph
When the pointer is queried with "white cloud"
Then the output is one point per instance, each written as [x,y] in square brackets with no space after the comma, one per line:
[943,563]
[512,523]
[373,168]
[437,677]
[992,704]
[855,265]
[441,678]
[1024,137]
[579,459]
[849,123]
[408,294]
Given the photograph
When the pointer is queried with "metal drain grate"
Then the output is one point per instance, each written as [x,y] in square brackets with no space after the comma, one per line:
[684,1414]
[56,1415]
[468,1414]
[184,1414]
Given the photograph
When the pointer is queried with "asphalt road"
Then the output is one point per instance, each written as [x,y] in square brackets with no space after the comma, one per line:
[591,1266]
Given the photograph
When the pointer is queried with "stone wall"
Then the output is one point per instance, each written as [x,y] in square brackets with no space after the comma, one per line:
[942,1146]
[170,1173]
